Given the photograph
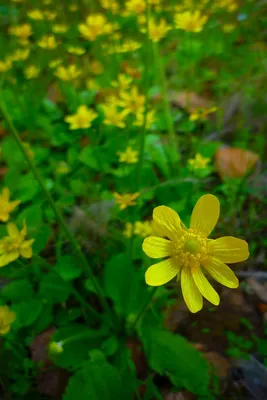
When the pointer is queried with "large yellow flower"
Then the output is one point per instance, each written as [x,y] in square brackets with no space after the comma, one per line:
[190,254]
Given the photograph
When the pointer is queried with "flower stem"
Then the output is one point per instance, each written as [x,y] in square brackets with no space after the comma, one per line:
[143,309]
[76,247]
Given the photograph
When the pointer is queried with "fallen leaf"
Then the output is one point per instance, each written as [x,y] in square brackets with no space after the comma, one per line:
[188,100]
[220,364]
[231,162]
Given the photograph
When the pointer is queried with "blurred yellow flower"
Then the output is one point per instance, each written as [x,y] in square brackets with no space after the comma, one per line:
[95,26]
[135,6]
[190,21]
[111,5]
[190,254]
[91,84]
[228,28]
[14,245]
[62,168]
[7,317]
[55,63]
[5,65]
[140,119]
[47,42]
[6,206]
[142,229]
[129,156]
[31,72]
[113,116]
[50,15]
[132,101]
[156,29]
[59,28]
[76,50]
[19,55]
[68,73]
[202,113]
[82,119]
[123,82]
[198,162]
[125,200]
[23,32]
[36,15]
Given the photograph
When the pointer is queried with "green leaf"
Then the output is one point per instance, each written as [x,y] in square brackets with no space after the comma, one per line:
[173,355]
[54,289]
[95,380]
[17,291]
[27,312]
[68,268]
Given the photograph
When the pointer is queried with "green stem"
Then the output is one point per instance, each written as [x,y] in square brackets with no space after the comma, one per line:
[76,247]
[173,140]
[143,310]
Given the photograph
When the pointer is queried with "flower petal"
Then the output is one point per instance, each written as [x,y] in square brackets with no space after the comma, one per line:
[192,296]
[162,272]
[221,272]
[229,249]
[12,230]
[205,214]
[204,286]
[156,247]
[167,220]
[6,194]
[8,258]
[26,252]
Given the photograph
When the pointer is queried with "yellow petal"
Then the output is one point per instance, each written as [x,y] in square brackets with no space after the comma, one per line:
[13,230]
[229,249]
[204,286]
[205,214]
[221,272]
[168,221]
[26,252]
[6,194]
[156,247]
[192,296]
[8,258]
[162,272]
[4,329]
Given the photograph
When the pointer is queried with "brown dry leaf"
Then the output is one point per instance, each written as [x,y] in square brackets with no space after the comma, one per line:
[231,162]
[262,307]
[39,347]
[188,100]
[220,363]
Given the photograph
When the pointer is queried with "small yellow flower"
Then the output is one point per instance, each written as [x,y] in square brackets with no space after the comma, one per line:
[20,55]
[55,63]
[202,113]
[129,156]
[190,254]
[111,5]
[113,116]
[140,119]
[68,73]
[157,30]
[95,26]
[36,15]
[55,348]
[126,200]
[14,245]
[76,50]
[59,28]
[132,101]
[47,42]
[91,84]
[6,206]
[82,119]
[128,231]
[190,21]
[31,72]
[122,83]
[23,32]
[142,229]
[198,162]
[7,317]
[50,15]
[62,168]
[5,65]
[135,6]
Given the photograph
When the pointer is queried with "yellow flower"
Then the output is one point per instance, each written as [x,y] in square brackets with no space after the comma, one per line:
[122,83]
[113,116]
[50,15]
[31,72]
[95,26]
[228,28]
[142,229]
[14,245]
[198,162]
[190,253]
[82,119]
[190,21]
[135,6]
[129,156]
[55,63]
[150,118]
[7,317]
[6,206]
[59,28]
[91,84]
[132,101]
[76,50]
[23,32]
[5,65]
[19,55]
[67,73]
[47,42]
[126,200]
[202,113]
[62,168]
[36,15]
[128,232]
[111,5]
[156,29]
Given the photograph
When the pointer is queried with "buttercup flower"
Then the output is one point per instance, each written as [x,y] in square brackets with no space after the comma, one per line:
[156,29]
[94,26]
[7,317]
[132,100]
[113,116]
[6,206]
[67,73]
[36,15]
[190,254]
[129,156]
[190,21]
[140,119]
[48,42]
[82,119]
[14,245]
[202,113]
[126,200]
[5,65]
[198,162]
[135,6]
[31,72]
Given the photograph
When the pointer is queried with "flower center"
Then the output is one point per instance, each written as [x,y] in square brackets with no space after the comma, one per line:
[191,248]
